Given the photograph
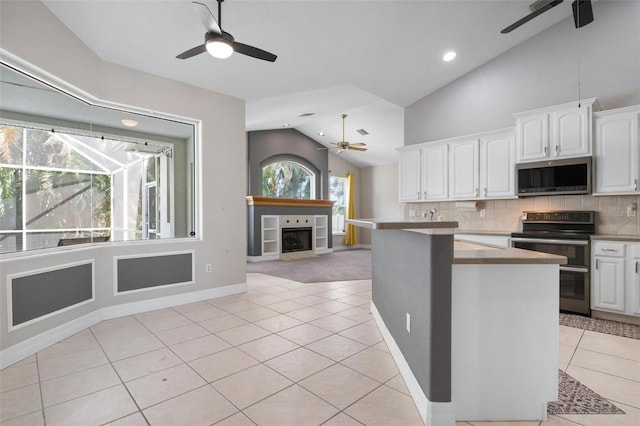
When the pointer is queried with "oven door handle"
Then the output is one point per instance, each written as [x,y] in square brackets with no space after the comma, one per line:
[550,241]
[574,269]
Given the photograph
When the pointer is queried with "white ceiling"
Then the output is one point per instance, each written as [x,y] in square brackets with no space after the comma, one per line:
[367,59]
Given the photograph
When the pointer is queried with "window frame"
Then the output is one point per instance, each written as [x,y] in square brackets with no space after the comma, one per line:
[334,226]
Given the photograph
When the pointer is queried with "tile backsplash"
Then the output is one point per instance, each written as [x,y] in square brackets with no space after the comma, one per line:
[616,215]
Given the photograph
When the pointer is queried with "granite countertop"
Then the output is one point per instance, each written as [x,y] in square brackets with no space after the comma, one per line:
[474,253]
[630,238]
[401,224]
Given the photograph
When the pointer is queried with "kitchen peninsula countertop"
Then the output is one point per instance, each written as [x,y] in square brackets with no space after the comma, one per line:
[474,253]
[465,252]
[401,224]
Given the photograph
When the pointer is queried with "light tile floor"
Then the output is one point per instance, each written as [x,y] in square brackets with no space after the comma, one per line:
[284,353]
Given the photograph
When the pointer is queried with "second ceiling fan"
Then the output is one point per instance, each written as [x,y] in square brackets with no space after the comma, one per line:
[344,145]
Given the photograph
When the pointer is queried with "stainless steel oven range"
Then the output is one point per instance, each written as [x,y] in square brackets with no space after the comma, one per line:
[565,233]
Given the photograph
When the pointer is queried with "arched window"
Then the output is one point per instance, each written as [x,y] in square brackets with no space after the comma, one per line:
[287,179]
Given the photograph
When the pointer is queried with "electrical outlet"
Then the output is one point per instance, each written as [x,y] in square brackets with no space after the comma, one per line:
[208,267]
[483,213]
[408,323]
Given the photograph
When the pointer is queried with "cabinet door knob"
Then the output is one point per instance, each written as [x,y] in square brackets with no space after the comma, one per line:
[545,151]
[485,191]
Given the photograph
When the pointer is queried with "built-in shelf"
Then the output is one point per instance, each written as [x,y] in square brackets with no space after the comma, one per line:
[321,234]
[270,236]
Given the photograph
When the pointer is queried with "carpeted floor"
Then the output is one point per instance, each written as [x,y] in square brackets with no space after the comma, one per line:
[345,265]
[576,398]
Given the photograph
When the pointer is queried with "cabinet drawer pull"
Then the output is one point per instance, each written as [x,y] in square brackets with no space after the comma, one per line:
[597,263]
[545,151]
[557,149]
[477,192]
[635,184]
[636,266]
[485,191]
[608,249]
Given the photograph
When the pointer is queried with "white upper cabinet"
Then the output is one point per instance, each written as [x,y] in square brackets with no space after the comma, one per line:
[562,131]
[423,173]
[409,177]
[533,137]
[478,167]
[435,172]
[616,151]
[497,165]
[464,169]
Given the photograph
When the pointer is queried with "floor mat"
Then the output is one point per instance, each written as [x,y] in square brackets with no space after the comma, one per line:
[576,398]
[601,326]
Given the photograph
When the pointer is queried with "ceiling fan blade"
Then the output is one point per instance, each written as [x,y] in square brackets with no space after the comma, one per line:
[192,52]
[359,144]
[582,13]
[356,148]
[254,52]
[552,3]
[207,18]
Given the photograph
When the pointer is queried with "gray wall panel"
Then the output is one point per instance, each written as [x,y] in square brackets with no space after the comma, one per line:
[412,274]
[33,296]
[154,271]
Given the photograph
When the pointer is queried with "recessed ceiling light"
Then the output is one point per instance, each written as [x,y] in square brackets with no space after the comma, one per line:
[363,132]
[286,125]
[129,122]
[320,133]
[449,56]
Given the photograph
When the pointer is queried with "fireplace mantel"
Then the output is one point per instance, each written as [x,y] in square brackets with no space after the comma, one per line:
[254,200]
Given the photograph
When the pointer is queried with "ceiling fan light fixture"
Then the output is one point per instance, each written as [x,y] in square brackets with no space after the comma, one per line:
[219,45]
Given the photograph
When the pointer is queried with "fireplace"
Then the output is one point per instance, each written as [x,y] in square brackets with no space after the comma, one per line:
[296,239]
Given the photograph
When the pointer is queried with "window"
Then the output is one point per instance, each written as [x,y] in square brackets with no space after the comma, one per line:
[338,193]
[287,179]
[72,172]
[57,187]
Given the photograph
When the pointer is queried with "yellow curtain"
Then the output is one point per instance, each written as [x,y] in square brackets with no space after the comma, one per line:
[350,235]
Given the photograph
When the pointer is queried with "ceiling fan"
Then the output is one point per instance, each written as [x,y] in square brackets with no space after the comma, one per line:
[220,43]
[344,145]
[582,13]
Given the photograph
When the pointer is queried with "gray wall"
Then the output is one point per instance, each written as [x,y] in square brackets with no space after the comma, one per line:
[412,274]
[267,146]
[542,71]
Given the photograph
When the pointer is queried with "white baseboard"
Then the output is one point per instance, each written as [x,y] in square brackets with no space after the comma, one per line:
[34,344]
[432,413]
[354,247]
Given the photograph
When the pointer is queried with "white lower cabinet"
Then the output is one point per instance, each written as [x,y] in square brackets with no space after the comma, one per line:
[615,278]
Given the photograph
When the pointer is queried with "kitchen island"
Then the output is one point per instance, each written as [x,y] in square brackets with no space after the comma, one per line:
[473,328]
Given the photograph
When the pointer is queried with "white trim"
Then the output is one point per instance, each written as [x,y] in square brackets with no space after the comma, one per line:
[30,346]
[432,413]
[11,277]
[136,256]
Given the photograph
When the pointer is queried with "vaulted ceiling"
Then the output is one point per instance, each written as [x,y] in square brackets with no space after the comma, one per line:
[367,59]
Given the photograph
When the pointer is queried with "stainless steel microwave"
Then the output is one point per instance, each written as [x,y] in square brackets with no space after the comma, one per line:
[554,177]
